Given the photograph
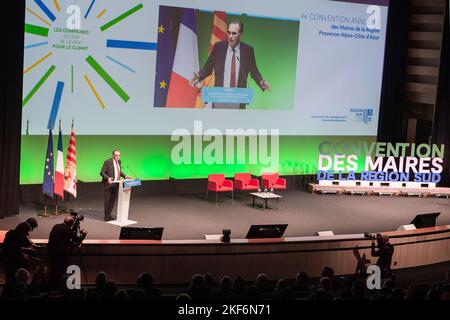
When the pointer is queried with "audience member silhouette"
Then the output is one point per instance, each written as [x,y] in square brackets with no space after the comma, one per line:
[239,290]
[196,289]
[301,283]
[145,282]
[358,290]
[39,284]
[276,293]
[262,284]
[224,292]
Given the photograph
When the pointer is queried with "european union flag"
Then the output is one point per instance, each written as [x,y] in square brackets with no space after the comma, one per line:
[47,187]
[165,53]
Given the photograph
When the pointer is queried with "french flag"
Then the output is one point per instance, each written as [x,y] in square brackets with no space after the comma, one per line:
[59,172]
[181,94]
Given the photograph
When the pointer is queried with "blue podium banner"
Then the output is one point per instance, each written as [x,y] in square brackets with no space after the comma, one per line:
[227,95]
[131,183]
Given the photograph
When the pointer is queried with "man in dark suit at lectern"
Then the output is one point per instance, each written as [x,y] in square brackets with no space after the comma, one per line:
[232,61]
[111,171]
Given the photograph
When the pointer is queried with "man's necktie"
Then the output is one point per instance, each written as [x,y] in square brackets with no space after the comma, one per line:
[118,170]
[233,70]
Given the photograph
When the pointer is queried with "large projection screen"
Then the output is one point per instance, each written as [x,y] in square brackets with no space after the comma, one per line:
[120,71]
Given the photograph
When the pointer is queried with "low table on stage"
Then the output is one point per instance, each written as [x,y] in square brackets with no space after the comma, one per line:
[123,203]
[264,196]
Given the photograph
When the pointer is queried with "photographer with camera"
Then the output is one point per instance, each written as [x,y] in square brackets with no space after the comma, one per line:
[384,253]
[17,251]
[28,245]
[63,238]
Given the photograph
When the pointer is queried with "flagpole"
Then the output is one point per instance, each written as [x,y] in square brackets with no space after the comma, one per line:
[58,213]
[45,207]
[68,202]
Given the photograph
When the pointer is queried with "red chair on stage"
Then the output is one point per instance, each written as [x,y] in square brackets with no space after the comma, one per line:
[245,182]
[273,181]
[218,183]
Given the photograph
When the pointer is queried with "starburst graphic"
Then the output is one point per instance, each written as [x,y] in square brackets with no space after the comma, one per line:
[85,57]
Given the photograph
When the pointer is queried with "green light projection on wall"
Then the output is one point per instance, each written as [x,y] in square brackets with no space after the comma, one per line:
[149,157]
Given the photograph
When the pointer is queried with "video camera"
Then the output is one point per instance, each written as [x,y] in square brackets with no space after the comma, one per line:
[371,236]
[78,235]
[76,220]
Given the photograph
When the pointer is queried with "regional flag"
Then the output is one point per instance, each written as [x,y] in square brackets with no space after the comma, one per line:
[70,174]
[219,29]
[59,172]
[47,186]
[181,93]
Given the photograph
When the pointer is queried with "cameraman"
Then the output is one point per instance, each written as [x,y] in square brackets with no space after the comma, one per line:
[63,238]
[384,254]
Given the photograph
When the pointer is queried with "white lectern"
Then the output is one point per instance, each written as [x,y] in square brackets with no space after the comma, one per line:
[123,204]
